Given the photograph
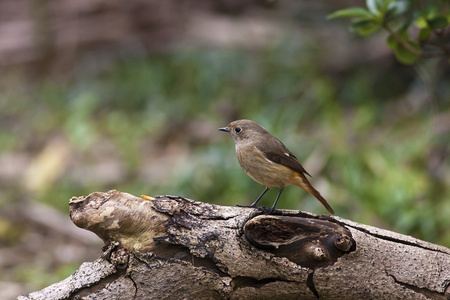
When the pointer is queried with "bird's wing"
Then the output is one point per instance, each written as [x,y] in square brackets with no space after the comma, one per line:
[280,154]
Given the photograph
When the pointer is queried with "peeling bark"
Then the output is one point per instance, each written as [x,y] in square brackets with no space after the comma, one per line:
[172,247]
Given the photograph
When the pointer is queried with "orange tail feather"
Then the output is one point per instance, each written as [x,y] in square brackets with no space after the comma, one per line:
[304,184]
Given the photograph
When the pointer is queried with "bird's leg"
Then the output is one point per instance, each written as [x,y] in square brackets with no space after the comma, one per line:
[259,197]
[276,200]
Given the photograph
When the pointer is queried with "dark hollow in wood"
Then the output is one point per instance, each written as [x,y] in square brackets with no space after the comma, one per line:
[308,242]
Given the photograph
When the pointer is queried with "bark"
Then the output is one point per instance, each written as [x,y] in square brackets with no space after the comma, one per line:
[172,247]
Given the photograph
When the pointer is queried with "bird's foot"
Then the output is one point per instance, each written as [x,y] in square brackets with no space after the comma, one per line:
[251,206]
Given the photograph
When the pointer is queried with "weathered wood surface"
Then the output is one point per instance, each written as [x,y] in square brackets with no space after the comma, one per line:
[172,247]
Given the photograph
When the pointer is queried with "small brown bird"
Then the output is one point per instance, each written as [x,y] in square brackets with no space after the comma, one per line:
[267,160]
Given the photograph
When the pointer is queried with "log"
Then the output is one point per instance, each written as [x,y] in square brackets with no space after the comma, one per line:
[171,247]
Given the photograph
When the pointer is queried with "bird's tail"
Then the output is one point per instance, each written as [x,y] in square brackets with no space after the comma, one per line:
[304,184]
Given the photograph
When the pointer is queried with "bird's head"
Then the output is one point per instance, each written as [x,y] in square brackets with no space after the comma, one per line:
[241,130]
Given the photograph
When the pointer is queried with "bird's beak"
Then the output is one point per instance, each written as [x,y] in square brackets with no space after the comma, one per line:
[224,129]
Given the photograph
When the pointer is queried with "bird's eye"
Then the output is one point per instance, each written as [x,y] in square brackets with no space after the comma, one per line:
[238,130]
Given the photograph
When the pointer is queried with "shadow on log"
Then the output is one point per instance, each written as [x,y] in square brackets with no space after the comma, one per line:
[172,247]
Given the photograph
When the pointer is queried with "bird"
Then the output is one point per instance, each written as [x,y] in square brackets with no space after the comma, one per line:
[268,161]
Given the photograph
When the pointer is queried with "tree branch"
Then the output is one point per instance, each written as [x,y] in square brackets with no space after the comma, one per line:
[172,247]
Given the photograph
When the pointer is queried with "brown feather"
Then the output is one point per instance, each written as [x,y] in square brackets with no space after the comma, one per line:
[274,150]
[306,185]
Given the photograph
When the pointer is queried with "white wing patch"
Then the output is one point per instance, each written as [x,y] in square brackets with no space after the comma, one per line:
[261,154]
[287,154]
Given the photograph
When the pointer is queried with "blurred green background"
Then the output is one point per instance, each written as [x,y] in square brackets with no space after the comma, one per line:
[141,116]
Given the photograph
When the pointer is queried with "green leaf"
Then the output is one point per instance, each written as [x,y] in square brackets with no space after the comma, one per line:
[351,12]
[378,7]
[403,54]
[365,27]
[373,6]
[397,8]
[424,33]
[392,42]
[438,22]
[421,22]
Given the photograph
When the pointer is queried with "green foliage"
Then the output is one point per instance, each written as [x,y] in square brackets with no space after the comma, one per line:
[41,276]
[400,17]
[144,115]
